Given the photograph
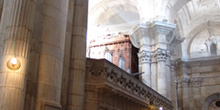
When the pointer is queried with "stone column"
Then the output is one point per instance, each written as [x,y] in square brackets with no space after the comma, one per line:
[168,70]
[154,73]
[53,21]
[145,58]
[19,21]
[151,38]
[161,56]
[78,56]
[140,39]
[66,62]
[161,30]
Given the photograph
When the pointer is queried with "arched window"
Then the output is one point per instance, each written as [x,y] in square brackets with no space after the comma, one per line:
[108,56]
[213,49]
[122,63]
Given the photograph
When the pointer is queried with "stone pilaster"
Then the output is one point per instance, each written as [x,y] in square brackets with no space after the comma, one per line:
[19,20]
[185,93]
[196,99]
[78,57]
[174,84]
[53,20]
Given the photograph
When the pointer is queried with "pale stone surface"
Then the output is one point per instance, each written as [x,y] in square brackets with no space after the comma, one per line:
[75,100]
[52,72]
[16,34]
[53,21]
[156,76]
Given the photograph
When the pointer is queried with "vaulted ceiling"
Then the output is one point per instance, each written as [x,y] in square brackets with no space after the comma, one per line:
[191,16]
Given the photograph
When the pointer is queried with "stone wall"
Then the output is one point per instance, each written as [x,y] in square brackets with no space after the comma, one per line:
[197,79]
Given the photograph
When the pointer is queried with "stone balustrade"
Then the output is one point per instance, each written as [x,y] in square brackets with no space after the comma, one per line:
[103,74]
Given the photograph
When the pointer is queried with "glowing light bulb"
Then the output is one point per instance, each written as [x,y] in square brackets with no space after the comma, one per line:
[14,61]
[161,108]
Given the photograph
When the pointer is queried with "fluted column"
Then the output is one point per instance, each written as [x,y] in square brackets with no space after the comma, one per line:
[145,58]
[19,20]
[53,20]
[78,56]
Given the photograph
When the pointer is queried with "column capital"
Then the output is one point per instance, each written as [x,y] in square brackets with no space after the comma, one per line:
[161,54]
[185,82]
[196,82]
[145,56]
[163,27]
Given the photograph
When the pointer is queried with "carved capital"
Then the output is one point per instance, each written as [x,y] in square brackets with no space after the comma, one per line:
[185,82]
[145,56]
[196,82]
[161,55]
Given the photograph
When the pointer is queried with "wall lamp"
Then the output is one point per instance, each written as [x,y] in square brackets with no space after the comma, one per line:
[14,64]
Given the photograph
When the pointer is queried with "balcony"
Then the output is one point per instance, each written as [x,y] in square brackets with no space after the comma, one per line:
[103,77]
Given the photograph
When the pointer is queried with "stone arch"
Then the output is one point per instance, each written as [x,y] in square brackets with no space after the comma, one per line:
[209,100]
[192,34]
[173,7]
[195,31]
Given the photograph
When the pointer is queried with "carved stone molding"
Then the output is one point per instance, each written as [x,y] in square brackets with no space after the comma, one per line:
[186,82]
[162,27]
[174,65]
[122,83]
[144,56]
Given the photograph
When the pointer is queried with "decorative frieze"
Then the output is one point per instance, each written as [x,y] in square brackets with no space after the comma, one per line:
[186,82]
